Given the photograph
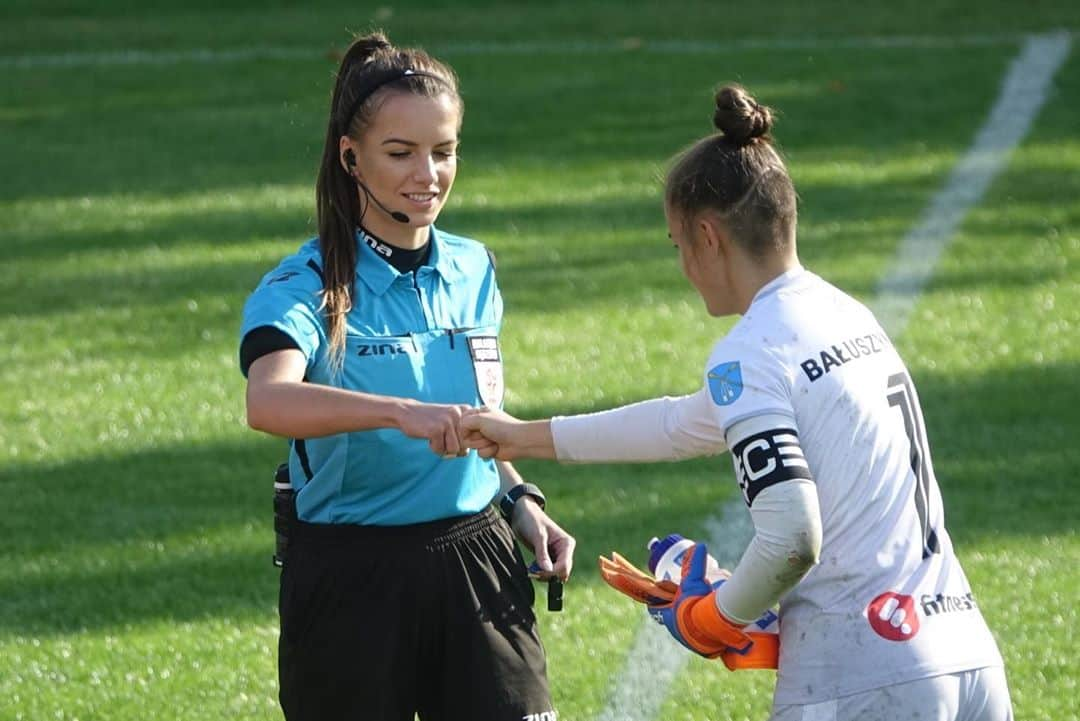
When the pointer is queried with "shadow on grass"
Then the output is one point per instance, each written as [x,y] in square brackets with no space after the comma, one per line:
[565,255]
[206,127]
[1002,444]
[598,117]
[148,494]
[166,232]
[116,540]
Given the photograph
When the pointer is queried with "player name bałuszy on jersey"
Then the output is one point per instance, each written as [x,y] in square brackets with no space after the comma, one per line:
[845,352]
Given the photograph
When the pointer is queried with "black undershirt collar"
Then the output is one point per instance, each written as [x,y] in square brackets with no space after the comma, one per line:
[403,260]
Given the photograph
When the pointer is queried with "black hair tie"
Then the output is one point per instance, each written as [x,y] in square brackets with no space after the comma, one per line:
[385,77]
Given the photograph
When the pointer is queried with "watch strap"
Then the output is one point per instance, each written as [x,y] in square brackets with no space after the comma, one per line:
[506,503]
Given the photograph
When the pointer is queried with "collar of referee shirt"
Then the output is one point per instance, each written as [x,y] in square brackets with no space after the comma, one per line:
[378,275]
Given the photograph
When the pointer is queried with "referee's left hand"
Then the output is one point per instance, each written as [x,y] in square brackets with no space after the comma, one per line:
[552,546]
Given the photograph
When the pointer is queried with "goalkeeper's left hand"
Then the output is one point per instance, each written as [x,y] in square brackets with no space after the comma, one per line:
[660,597]
[693,617]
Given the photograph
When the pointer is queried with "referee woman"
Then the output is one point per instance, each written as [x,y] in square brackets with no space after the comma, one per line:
[877,619]
[403,591]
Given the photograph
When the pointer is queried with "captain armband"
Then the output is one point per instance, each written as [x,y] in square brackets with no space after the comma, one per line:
[767,458]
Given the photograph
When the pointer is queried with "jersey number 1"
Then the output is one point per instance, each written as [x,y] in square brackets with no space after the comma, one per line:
[902,395]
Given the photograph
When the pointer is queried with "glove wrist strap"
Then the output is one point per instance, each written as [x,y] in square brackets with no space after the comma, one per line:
[710,626]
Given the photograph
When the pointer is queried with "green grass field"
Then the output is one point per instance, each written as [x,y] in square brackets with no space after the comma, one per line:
[148,185]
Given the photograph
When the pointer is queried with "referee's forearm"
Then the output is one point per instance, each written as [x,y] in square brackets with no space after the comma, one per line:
[508,476]
[309,410]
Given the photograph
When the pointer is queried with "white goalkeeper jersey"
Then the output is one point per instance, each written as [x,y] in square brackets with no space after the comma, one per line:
[888,602]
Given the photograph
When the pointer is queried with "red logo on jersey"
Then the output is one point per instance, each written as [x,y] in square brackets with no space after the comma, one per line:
[893,616]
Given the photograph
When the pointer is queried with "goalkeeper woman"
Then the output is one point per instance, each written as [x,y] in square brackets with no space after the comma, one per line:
[823,423]
[403,592]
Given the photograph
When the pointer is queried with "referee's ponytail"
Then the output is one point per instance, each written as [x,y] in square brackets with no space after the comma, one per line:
[737,174]
[353,105]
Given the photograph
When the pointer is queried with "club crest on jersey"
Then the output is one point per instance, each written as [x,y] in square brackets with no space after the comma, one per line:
[725,383]
[487,365]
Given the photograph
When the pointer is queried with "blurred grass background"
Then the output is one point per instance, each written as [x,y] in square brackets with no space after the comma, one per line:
[148,184]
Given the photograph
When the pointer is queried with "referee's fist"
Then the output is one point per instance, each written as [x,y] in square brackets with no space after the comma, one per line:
[439,423]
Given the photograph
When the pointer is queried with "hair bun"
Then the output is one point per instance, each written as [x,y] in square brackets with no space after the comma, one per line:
[367,45]
[739,117]
[363,47]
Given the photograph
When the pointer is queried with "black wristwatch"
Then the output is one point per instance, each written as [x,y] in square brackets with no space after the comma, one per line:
[506,504]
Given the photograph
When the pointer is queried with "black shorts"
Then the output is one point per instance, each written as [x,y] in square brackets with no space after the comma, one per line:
[435,619]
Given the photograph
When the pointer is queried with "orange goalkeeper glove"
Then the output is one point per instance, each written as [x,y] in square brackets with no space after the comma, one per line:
[693,618]
[689,612]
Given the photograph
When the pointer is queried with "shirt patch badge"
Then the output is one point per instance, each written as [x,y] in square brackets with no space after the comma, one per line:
[725,383]
[487,365]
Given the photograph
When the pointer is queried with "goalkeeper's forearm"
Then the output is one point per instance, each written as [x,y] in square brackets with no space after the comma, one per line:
[786,545]
[661,429]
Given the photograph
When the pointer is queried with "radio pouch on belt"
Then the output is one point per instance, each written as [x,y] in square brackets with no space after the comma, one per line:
[284,512]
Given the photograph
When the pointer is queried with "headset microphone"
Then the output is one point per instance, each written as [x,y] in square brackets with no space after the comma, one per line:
[395,214]
[350,160]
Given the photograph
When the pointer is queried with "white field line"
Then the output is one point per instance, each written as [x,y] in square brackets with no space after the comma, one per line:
[642,686]
[136,57]
[107,58]
[1022,95]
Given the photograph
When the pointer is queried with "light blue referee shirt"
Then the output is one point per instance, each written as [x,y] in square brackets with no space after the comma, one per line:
[430,335]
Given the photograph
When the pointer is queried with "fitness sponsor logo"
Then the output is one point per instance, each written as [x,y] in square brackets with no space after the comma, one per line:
[765,459]
[893,616]
[941,603]
[837,355]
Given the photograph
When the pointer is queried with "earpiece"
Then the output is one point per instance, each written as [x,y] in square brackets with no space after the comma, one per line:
[350,157]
